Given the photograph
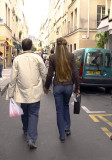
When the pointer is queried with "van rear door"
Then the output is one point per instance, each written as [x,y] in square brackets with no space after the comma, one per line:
[94,65]
[108,65]
[98,64]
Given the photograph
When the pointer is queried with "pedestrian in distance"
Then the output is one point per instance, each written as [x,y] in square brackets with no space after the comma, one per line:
[1,63]
[52,51]
[13,56]
[47,62]
[26,87]
[66,74]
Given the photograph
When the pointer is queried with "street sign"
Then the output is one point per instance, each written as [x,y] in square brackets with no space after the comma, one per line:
[5,43]
[1,20]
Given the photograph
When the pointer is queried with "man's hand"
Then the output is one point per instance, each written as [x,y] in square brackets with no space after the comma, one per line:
[46,90]
[10,97]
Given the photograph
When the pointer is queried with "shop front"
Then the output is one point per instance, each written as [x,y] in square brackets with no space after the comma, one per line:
[6,47]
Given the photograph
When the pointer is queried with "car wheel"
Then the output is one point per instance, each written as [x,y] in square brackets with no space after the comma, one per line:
[108,90]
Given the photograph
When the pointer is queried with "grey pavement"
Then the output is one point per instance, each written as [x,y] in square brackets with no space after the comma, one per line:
[87,141]
[4,81]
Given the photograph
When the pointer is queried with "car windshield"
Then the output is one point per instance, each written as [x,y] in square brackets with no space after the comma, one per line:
[94,59]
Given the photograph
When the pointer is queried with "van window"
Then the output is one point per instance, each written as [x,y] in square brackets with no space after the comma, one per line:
[108,60]
[78,57]
[94,59]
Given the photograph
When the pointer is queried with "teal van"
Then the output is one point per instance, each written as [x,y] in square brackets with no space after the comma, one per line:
[95,67]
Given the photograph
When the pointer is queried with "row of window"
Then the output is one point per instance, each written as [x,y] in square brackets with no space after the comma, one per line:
[7,10]
[72,23]
[101,13]
[72,48]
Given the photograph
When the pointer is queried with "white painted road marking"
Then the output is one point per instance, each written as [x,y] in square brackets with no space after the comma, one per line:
[88,111]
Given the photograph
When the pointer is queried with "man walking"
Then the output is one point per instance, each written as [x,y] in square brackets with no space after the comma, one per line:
[1,63]
[26,87]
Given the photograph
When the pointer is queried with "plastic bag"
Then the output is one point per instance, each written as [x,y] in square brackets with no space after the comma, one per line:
[14,109]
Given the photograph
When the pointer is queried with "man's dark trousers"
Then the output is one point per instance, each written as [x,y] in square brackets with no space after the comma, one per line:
[30,119]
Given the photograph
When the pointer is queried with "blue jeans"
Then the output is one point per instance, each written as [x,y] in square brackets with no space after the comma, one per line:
[30,119]
[1,68]
[62,95]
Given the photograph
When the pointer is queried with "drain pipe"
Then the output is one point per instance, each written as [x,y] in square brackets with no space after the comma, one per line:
[88,21]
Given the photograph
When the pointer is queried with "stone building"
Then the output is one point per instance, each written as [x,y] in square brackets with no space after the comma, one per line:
[75,20]
[106,24]
[13,28]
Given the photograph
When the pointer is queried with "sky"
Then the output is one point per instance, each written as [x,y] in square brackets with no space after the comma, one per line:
[35,11]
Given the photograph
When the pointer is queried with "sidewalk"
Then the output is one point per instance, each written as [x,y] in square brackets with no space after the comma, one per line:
[4,81]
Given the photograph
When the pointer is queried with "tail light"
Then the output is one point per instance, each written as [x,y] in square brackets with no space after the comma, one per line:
[81,69]
[80,79]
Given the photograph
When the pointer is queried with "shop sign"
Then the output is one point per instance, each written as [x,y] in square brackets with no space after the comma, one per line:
[2,44]
[15,47]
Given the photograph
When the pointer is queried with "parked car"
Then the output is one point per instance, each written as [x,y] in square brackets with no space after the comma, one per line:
[95,67]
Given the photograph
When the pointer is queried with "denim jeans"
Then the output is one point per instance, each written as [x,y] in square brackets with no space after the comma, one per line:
[1,67]
[30,119]
[62,95]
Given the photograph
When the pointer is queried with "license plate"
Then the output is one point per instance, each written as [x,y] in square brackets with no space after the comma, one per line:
[94,72]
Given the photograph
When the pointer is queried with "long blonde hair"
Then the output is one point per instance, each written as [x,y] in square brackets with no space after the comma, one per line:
[62,61]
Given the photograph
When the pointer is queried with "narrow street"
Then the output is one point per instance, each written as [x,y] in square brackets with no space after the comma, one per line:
[90,131]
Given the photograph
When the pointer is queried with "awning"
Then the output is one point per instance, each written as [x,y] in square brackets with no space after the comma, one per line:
[110,27]
[18,46]
[14,43]
[10,44]
[103,26]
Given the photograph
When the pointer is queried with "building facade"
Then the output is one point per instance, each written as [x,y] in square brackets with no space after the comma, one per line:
[106,24]
[75,20]
[13,28]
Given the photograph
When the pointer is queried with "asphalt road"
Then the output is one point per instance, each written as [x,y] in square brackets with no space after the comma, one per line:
[88,140]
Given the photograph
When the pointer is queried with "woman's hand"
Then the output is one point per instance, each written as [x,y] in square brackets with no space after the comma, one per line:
[77,91]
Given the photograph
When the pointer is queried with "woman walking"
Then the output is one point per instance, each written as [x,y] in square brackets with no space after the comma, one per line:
[63,64]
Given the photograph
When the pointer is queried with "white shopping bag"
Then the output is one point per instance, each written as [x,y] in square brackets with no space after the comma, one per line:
[14,109]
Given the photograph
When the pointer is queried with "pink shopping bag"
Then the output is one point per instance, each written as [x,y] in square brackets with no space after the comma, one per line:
[14,109]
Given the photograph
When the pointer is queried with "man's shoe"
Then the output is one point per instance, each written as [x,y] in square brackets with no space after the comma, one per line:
[67,132]
[31,145]
[62,140]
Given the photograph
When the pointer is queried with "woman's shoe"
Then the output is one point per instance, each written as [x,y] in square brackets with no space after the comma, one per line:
[111,137]
[31,145]
[62,140]
[68,132]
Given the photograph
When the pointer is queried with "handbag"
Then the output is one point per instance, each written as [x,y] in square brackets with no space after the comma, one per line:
[14,109]
[77,104]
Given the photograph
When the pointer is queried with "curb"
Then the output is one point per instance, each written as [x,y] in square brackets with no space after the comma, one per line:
[4,89]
